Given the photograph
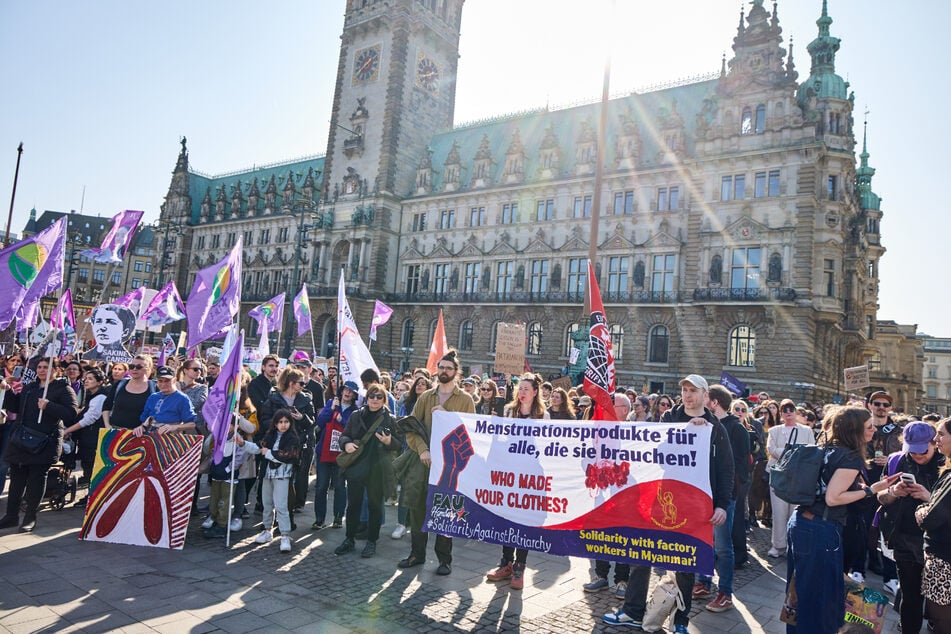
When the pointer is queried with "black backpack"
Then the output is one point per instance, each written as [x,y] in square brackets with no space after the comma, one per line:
[795,476]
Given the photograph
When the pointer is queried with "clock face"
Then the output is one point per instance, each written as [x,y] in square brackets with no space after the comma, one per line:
[366,65]
[427,74]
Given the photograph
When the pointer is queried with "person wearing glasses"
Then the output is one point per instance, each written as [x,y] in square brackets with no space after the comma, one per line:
[777,439]
[661,405]
[490,403]
[124,405]
[290,394]
[365,477]
[446,396]
[190,384]
[167,411]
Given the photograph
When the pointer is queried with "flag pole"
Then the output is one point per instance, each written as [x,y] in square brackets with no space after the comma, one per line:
[102,293]
[49,370]
[234,448]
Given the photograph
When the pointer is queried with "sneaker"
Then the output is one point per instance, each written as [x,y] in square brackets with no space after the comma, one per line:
[208,523]
[774,553]
[338,521]
[369,549]
[236,525]
[398,532]
[892,586]
[701,591]
[857,577]
[285,544]
[620,590]
[501,573]
[264,537]
[316,526]
[391,502]
[518,576]
[620,618]
[597,585]
[721,603]
[347,546]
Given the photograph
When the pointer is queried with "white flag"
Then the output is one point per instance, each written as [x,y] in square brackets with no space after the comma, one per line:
[354,355]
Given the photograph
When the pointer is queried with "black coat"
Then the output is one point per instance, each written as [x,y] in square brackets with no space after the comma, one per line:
[304,404]
[59,413]
[721,456]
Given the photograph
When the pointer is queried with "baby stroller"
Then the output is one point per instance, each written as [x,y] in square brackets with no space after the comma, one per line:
[60,481]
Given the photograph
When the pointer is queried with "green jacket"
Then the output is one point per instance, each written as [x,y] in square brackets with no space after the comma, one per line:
[459,401]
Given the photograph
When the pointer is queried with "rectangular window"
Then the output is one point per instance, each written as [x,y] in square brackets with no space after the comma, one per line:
[265,236]
[773,183]
[441,279]
[744,273]
[138,266]
[216,241]
[503,278]
[148,267]
[98,275]
[582,207]
[447,218]
[232,238]
[759,185]
[577,277]
[419,222]
[201,242]
[539,279]
[726,188]
[662,200]
[675,198]
[828,274]
[116,277]
[932,391]
[473,271]
[282,235]
[623,203]
[509,213]
[83,274]
[832,187]
[617,274]
[477,216]
[662,274]
[739,187]
[136,282]
[545,210]
[249,238]
[412,279]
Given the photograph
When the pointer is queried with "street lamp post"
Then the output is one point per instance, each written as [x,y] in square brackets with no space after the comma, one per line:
[305,209]
[179,231]
[407,355]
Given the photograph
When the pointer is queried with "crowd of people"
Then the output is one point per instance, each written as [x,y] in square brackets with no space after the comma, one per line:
[882,497]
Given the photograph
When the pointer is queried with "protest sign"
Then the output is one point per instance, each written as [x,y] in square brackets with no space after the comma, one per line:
[856,378]
[141,489]
[510,348]
[631,492]
[563,382]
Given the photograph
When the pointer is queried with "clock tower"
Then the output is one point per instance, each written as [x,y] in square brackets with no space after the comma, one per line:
[396,85]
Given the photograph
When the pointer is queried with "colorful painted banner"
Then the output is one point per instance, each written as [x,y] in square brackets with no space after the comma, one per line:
[141,489]
[631,492]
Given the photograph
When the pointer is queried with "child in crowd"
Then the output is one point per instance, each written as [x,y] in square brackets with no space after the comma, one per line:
[281,450]
[237,452]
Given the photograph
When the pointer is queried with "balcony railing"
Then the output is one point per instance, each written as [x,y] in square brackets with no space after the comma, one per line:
[744,295]
[528,297]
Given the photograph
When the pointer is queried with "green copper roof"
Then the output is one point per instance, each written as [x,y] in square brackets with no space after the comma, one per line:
[201,184]
[823,83]
[863,178]
[648,110]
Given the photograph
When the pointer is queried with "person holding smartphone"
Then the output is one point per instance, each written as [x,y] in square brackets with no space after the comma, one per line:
[365,476]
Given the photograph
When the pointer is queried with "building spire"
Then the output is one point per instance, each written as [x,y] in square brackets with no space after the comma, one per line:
[863,175]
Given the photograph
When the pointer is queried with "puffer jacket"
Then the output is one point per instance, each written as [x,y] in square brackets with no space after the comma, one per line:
[59,413]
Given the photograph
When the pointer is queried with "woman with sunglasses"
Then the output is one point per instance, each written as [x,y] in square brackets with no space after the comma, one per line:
[662,404]
[490,403]
[290,394]
[124,405]
[365,476]
[790,432]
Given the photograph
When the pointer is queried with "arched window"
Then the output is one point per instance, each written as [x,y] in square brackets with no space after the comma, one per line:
[658,344]
[742,347]
[465,336]
[493,336]
[617,341]
[409,329]
[746,122]
[432,330]
[534,339]
[569,340]
[760,119]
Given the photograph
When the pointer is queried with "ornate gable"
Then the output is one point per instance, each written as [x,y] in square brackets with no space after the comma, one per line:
[743,229]
[469,249]
[574,242]
[441,249]
[412,251]
[617,240]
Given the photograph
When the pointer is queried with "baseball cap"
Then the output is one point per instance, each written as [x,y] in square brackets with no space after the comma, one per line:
[300,358]
[880,394]
[697,381]
[165,372]
[918,436]
[468,381]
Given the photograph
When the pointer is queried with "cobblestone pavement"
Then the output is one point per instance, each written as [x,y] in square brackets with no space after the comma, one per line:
[52,582]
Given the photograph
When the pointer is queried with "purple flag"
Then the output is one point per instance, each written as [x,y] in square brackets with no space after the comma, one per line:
[30,269]
[271,311]
[166,307]
[133,300]
[302,311]
[62,315]
[381,315]
[117,241]
[222,400]
[215,298]
[28,315]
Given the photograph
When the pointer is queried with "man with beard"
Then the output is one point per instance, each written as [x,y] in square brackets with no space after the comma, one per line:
[446,396]
[258,390]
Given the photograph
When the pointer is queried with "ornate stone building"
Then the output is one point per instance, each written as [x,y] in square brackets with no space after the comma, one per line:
[737,230]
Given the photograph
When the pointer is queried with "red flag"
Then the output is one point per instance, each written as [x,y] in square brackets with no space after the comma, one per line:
[600,377]
[439,348]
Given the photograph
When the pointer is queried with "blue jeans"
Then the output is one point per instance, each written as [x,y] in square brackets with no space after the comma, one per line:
[814,556]
[723,546]
[635,600]
[328,472]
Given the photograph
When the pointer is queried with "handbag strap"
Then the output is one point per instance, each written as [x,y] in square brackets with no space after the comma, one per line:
[372,429]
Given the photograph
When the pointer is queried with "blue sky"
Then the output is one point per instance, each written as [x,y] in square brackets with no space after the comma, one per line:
[100,93]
